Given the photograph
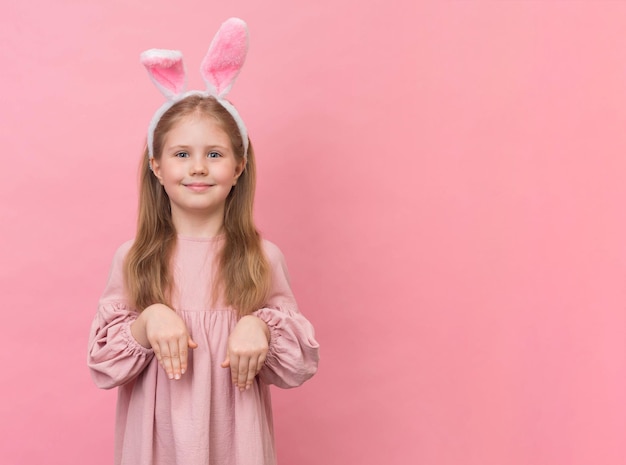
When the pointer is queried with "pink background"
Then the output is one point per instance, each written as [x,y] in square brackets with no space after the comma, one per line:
[446,180]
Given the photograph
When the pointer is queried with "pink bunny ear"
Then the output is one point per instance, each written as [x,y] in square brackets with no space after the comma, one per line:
[225,57]
[167,71]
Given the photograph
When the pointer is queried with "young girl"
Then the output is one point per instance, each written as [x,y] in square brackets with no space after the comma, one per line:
[197,318]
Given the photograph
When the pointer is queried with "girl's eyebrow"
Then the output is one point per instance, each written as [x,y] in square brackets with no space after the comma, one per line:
[177,147]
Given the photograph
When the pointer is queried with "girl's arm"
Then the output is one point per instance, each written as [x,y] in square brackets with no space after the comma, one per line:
[246,350]
[293,352]
[159,327]
[115,357]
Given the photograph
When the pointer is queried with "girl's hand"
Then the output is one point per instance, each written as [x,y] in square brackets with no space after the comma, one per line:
[159,327]
[247,348]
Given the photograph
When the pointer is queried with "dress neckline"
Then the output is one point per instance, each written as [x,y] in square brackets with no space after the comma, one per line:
[184,238]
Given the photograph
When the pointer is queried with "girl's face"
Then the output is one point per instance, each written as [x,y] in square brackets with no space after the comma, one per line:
[197,169]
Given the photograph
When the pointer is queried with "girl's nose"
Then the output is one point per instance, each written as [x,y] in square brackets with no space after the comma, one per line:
[199,166]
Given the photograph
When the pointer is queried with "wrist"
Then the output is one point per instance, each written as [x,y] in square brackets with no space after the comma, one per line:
[138,331]
[138,328]
[260,323]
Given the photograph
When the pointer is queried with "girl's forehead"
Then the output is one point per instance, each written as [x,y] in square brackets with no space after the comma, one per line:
[197,127]
[197,116]
[198,120]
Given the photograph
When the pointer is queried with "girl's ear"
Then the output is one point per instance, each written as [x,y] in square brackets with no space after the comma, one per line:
[156,169]
[225,57]
[239,169]
[167,71]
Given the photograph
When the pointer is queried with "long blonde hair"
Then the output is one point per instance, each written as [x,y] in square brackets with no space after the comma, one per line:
[243,276]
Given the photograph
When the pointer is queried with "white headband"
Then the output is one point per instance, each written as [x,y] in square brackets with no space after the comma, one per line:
[219,69]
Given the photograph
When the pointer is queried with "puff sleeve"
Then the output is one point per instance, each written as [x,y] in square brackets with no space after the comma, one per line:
[293,351]
[114,356]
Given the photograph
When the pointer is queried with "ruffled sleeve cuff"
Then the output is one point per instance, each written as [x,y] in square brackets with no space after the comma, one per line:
[293,353]
[115,357]
[132,346]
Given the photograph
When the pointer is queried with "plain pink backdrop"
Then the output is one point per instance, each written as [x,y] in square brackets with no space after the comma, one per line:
[446,180]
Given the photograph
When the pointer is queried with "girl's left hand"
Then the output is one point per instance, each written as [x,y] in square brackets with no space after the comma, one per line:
[247,348]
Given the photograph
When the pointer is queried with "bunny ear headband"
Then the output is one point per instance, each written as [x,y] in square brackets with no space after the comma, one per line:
[219,69]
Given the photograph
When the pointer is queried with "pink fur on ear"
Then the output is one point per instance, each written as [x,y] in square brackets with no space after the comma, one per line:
[225,57]
[167,71]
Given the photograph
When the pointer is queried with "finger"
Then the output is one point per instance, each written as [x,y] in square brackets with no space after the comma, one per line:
[183,355]
[157,351]
[234,361]
[260,363]
[175,358]
[191,343]
[242,372]
[166,359]
[226,362]
[252,371]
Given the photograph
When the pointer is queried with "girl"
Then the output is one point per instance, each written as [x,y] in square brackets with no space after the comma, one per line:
[197,318]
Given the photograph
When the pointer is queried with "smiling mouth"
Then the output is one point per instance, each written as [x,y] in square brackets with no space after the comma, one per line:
[198,186]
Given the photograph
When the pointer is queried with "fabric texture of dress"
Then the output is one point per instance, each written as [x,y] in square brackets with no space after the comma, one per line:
[201,419]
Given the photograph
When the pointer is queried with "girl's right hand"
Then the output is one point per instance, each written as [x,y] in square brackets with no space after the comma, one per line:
[160,328]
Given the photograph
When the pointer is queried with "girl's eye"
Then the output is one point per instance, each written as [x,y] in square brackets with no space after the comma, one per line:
[182,154]
[214,155]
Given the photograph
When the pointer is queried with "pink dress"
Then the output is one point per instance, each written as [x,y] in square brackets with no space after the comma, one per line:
[200,419]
